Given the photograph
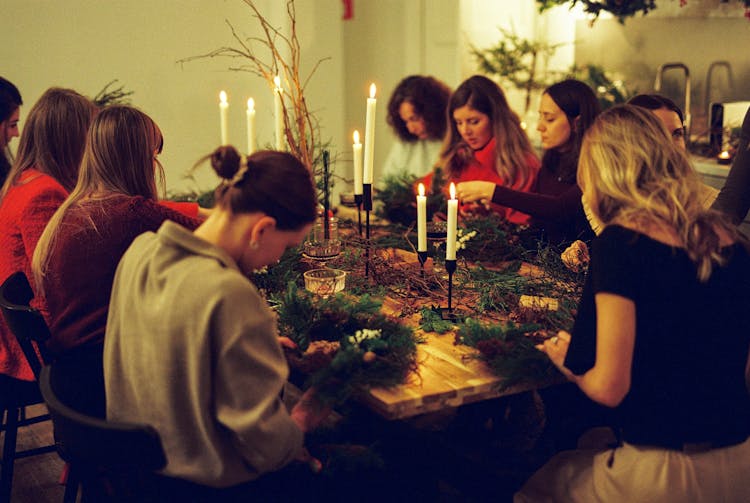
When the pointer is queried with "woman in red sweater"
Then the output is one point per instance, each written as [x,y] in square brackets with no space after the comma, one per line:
[44,171]
[114,200]
[566,111]
[485,142]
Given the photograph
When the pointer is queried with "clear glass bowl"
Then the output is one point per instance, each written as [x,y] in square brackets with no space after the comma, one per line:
[325,281]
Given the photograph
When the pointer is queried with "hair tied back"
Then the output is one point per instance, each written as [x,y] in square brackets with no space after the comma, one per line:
[240,175]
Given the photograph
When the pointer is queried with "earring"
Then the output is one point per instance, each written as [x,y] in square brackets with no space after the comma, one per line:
[254,245]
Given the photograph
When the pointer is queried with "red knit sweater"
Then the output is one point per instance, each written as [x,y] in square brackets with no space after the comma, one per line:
[90,242]
[483,169]
[24,213]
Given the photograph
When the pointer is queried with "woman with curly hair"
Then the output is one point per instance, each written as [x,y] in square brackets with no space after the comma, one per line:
[661,332]
[416,113]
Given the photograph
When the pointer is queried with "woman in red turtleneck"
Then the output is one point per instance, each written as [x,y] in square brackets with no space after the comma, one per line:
[481,120]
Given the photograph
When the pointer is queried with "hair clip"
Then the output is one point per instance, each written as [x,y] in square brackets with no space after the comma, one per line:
[240,175]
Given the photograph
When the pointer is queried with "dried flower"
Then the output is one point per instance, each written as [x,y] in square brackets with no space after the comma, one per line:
[361,336]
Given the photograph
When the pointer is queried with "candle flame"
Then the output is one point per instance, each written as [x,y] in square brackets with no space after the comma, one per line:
[453,190]
[277,82]
[250,104]
[223,96]
[356,136]
[372,90]
[724,155]
[421,189]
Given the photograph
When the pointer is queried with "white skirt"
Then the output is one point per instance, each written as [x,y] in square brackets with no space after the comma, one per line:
[642,474]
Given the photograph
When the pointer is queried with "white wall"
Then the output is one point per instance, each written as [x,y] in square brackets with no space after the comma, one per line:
[83,44]
[696,35]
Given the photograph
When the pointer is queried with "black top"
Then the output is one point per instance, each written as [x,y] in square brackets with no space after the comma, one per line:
[554,206]
[734,197]
[691,343]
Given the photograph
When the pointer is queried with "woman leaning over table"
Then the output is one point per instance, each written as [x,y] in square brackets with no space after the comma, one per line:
[45,169]
[485,142]
[661,334]
[566,111]
[10,104]
[217,343]
[416,113]
[113,201]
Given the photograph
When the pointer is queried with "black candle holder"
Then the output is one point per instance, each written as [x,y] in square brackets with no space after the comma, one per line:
[422,256]
[358,202]
[448,313]
[367,203]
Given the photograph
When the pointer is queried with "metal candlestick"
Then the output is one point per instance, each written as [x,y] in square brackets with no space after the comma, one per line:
[447,313]
[358,201]
[422,256]
[367,202]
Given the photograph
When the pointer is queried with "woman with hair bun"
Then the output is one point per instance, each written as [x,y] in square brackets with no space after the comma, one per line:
[209,373]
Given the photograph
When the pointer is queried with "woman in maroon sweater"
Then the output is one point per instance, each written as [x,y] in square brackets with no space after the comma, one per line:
[566,110]
[114,201]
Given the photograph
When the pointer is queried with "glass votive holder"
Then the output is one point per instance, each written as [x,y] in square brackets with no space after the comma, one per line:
[318,233]
[325,281]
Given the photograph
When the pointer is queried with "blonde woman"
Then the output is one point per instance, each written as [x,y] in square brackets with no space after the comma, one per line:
[113,201]
[661,334]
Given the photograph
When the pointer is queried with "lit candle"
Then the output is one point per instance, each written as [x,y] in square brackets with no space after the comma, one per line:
[278,113]
[370,136]
[250,126]
[450,242]
[724,157]
[223,107]
[421,220]
[357,151]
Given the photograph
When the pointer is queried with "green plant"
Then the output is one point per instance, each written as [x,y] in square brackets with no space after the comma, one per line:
[516,61]
[621,9]
[609,90]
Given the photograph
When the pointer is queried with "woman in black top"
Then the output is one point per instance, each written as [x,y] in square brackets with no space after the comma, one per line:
[566,111]
[662,330]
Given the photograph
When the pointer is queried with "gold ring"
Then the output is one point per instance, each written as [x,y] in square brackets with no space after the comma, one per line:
[555,339]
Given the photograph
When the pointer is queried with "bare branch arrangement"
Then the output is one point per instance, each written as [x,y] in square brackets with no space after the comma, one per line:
[300,124]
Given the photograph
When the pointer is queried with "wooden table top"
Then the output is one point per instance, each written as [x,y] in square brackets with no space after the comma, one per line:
[449,375]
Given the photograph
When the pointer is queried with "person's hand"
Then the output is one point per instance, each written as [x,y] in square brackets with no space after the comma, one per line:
[477,191]
[304,456]
[556,348]
[308,412]
[576,256]
[286,342]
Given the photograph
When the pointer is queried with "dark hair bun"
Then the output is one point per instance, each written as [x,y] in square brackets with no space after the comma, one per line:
[226,162]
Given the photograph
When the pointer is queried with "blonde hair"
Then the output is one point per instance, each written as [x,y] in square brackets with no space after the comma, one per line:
[119,158]
[631,171]
[53,138]
[513,147]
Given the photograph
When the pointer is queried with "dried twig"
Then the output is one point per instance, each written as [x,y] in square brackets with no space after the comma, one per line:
[300,124]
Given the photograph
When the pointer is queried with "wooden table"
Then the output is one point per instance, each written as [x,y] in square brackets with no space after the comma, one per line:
[448,375]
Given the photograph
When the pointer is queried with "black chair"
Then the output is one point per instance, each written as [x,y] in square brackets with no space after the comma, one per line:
[109,461]
[29,327]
